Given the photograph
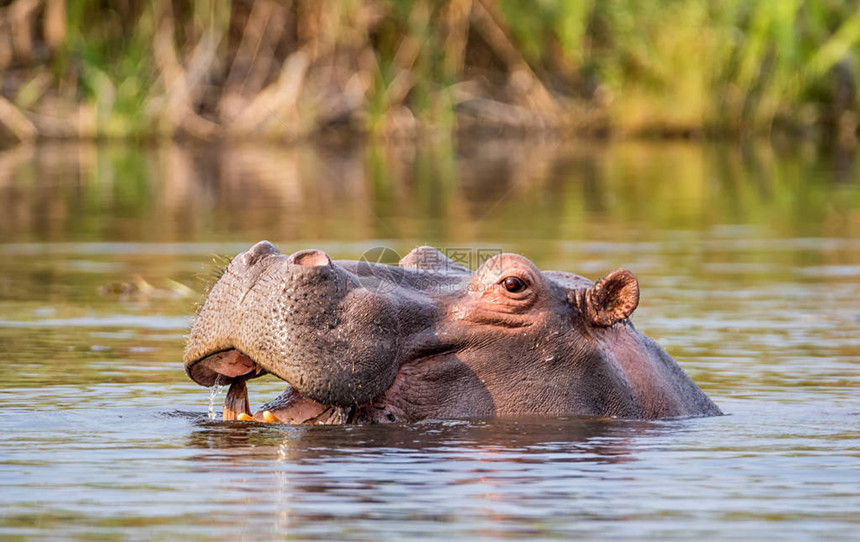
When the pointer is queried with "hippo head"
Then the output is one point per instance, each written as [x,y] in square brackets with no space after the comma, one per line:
[361,342]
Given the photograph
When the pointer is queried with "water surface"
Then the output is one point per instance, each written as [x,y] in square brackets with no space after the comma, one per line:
[749,264]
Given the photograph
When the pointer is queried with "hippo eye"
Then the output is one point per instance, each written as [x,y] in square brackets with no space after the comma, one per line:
[514,285]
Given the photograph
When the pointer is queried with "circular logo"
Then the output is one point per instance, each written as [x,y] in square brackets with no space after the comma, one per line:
[377,269]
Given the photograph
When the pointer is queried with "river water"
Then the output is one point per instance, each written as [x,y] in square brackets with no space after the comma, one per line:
[749,266]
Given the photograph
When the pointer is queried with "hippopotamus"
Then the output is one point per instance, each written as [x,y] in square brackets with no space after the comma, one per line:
[362,342]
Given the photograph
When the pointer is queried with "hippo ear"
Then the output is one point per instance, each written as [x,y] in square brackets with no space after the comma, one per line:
[612,299]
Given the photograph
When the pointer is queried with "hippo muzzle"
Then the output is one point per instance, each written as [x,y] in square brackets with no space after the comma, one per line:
[301,318]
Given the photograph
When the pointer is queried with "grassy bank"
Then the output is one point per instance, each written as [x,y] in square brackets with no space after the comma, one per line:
[260,68]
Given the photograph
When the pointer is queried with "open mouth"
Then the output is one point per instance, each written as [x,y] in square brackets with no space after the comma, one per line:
[234,367]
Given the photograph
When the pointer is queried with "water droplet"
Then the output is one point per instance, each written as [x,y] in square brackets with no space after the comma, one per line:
[214,391]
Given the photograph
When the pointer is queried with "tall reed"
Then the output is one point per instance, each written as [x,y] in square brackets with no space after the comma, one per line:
[288,69]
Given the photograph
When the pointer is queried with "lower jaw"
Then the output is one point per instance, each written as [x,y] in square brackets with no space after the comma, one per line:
[290,407]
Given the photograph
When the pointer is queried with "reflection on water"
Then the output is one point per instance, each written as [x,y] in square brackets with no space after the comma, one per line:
[596,439]
[514,193]
[749,261]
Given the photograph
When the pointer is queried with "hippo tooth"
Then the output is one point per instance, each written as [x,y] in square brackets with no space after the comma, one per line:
[236,401]
[242,417]
[268,417]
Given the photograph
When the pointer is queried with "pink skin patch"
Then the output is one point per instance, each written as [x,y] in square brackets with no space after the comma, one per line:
[311,258]
[291,407]
[231,363]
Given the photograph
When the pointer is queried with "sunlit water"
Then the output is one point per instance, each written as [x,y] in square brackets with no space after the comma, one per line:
[749,264]
[214,392]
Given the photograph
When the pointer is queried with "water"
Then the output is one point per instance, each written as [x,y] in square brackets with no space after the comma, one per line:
[214,392]
[749,263]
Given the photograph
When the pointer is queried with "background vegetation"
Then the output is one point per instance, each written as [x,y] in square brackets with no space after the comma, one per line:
[287,69]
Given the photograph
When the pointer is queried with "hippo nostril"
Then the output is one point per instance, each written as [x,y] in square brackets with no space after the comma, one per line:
[310,258]
[258,251]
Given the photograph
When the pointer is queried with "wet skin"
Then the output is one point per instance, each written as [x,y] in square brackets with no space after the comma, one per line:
[360,342]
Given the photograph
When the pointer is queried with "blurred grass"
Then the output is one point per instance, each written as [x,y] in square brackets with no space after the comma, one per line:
[261,68]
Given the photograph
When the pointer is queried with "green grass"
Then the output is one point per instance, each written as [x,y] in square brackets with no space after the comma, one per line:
[666,67]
